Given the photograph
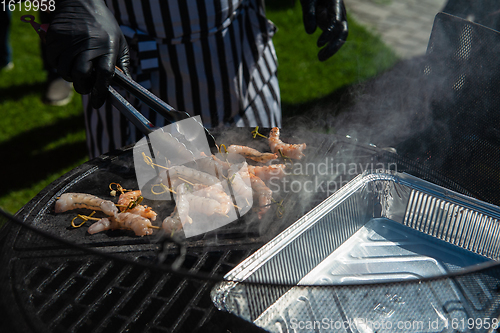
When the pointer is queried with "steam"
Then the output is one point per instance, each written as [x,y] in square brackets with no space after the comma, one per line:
[408,108]
[392,110]
[384,111]
[439,111]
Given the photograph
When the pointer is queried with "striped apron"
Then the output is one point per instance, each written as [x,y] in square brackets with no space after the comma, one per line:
[212,58]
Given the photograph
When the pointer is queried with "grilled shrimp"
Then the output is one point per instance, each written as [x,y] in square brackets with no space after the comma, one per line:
[129,221]
[177,151]
[182,204]
[268,171]
[70,201]
[289,150]
[204,199]
[252,154]
[178,174]
[263,193]
[197,203]
[205,206]
[240,182]
[212,165]
[224,165]
[126,198]
[173,223]
[216,193]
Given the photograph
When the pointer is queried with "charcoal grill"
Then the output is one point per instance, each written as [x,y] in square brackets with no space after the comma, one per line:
[53,286]
[55,279]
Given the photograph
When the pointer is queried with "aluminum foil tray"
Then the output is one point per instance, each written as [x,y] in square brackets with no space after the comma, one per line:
[387,252]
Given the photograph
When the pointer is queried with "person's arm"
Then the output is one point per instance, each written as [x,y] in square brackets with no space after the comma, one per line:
[84,43]
[329,16]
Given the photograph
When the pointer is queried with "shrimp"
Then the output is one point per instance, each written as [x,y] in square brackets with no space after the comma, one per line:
[268,172]
[70,201]
[240,182]
[264,194]
[205,206]
[212,165]
[198,203]
[179,174]
[129,221]
[216,193]
[289,150]
[177,151]
[224,165]
[126,198]
[182,204]
[173,223]
[252,154]
[204,199]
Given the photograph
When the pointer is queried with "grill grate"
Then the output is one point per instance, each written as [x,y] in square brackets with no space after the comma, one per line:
[95,294]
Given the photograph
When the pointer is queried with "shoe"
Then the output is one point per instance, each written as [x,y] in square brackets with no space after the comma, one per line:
[59,92]
[7,67]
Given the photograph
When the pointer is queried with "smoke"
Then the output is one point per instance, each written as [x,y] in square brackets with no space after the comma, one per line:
[384,111]
[407,108]
[439,111]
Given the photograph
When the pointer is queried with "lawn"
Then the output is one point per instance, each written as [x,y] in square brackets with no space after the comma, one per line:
[39,143]
[302,77]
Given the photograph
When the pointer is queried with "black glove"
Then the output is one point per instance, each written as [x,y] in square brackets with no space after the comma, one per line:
[84,43]
[330,16]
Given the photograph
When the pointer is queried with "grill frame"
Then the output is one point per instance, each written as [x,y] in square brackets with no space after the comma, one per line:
[69,293]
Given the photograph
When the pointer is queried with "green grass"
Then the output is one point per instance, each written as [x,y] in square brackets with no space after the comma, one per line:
[304,80]
[39,143]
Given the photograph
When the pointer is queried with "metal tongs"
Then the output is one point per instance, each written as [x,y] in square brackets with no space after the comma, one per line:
[148,98]
[145,96]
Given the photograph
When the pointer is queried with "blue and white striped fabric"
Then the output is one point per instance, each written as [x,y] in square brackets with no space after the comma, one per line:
[212,58]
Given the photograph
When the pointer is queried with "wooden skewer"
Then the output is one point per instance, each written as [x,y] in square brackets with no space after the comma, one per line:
[149,162]
[84,218]
[186,181]
[166,188]
[255,132]
[89,218]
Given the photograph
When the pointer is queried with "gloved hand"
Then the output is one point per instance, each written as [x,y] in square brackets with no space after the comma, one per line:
[329,16]
[84,43]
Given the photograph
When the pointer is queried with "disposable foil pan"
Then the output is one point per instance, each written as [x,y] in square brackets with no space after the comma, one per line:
[387,252]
